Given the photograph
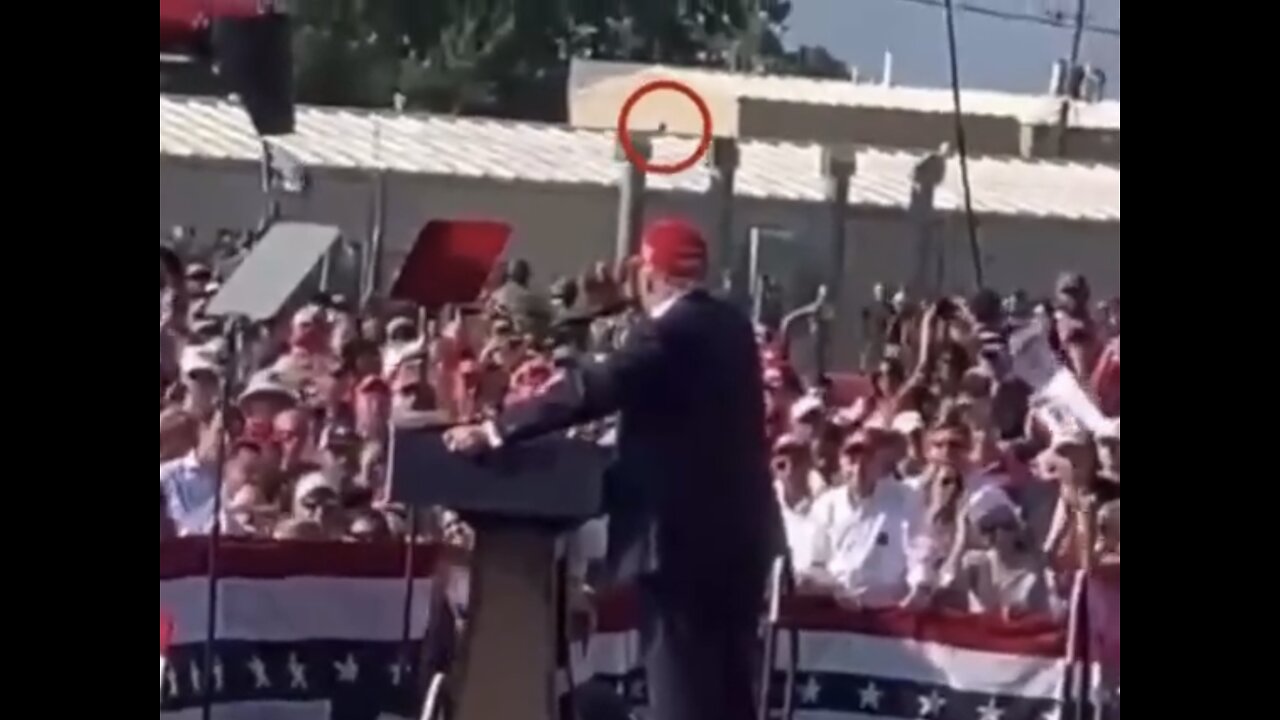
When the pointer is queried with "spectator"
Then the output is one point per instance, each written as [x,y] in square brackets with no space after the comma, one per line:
[309,362]
[911,467]
[316,497]
[797,485]
[1105,380]
[361,358]
[887,383]
[249,513]
[871,543]
[411,392]
[179,431]
[372,408]
[371,477]
[340,448]
[292,432]
[808,417]
[564,296]
[781,390]
[1104,598]
[373,330]
[201,376]
[265,397]
[402,338]
[1007,575]
[1109,459]
[1108,545]
[188,480]
[299,529]
[1072,462]
[515,299]
[932,471]
[366,525]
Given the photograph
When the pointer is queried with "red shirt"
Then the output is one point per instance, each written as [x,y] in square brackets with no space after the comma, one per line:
[1106,379]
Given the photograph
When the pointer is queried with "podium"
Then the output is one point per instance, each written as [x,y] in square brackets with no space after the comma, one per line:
[518,499]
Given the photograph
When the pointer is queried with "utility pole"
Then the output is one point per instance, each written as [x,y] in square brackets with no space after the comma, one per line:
[1075,78]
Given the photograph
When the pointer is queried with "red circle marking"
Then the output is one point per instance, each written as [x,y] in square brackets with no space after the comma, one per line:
[624,135]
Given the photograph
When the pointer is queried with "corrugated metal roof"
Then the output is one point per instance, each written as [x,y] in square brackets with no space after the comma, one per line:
[1032,109]
[537,153]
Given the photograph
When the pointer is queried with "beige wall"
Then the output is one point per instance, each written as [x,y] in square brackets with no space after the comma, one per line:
[1042,141]
[562,229]
[881,127]
[598,107]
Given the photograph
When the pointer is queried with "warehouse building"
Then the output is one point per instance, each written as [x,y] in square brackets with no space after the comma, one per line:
[386,174]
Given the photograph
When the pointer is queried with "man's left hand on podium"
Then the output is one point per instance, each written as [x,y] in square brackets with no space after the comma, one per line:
[468,439]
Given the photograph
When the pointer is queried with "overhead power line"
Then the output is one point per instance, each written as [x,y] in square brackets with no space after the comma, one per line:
[1045,20]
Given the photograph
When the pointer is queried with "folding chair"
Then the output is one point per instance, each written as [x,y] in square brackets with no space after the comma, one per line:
[781,586]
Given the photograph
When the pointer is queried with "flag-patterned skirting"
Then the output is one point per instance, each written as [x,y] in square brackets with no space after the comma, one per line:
[314,632]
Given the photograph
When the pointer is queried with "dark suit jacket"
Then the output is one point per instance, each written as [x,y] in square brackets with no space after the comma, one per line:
[688,497]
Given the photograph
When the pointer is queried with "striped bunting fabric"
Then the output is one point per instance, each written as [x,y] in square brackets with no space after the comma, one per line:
[309,631]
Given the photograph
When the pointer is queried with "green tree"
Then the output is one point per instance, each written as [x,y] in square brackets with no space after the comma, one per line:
[510,58]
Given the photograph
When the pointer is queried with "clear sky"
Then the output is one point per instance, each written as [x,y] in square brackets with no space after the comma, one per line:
[1000,53]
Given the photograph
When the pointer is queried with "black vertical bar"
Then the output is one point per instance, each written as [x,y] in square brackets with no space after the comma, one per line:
[215,533]
[406,616]
[962,146]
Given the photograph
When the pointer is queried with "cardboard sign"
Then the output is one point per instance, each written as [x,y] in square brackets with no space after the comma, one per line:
[1055,385]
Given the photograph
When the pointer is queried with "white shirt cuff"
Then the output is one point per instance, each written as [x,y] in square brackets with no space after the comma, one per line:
[495,437]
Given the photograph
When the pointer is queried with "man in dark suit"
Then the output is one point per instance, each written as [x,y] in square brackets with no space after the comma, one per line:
[692,517]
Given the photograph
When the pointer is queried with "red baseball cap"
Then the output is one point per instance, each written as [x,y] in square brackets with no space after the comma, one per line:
[676,248]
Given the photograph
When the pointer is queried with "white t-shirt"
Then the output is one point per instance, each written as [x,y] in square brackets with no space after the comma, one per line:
[801,531]
[875,548]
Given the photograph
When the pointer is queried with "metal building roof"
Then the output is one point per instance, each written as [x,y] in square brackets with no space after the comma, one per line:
[1030,109]
[539,153]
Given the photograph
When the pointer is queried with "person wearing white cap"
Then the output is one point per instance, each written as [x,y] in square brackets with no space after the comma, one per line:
[316,498]
[1007,575]
[910,425]
[310,360]
[403,343]
[872,543]
[201,376]
[267,387]
[808,415]
[797,484]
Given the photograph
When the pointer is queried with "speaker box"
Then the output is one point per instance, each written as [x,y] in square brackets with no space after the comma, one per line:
[255,58]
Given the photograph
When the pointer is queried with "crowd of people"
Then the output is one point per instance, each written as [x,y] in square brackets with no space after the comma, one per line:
[950,483]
